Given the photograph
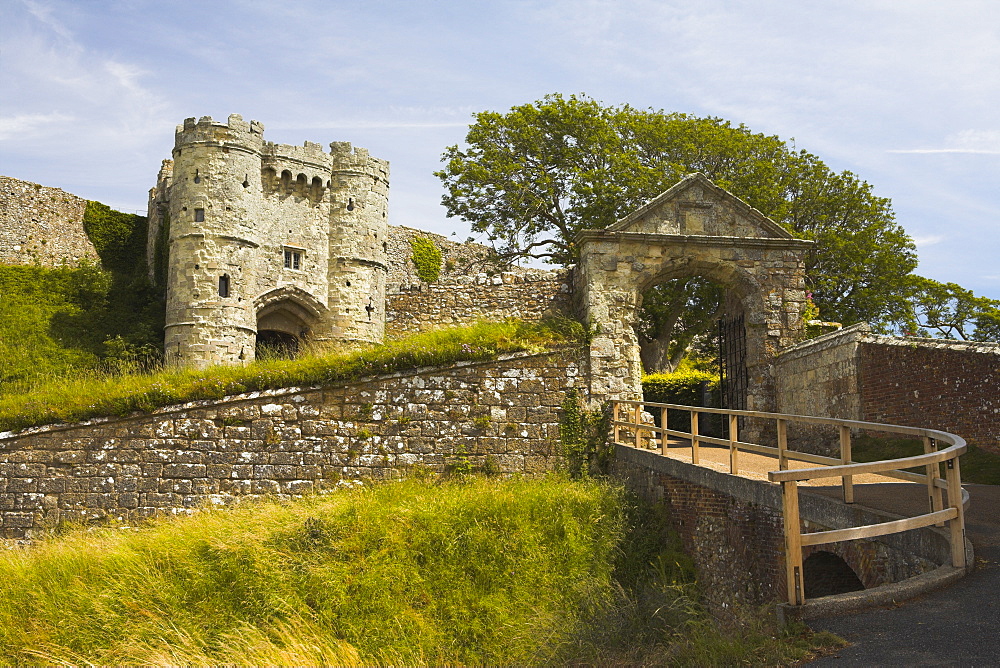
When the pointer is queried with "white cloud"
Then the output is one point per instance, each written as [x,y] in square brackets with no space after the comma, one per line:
[929,240]
[968,141]
[25,125]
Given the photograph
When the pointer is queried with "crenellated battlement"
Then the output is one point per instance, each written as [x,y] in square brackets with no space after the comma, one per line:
[205,130]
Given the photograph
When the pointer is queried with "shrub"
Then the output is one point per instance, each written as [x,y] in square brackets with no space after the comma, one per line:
[680,387]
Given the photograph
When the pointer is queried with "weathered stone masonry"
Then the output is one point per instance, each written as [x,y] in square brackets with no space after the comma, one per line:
[41,225]
[529,295]
[287,442]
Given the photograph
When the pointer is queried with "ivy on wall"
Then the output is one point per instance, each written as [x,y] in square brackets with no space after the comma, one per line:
[119,238]
[427,258]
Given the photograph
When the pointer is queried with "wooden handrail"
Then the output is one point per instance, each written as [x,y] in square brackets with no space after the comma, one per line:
[940,512]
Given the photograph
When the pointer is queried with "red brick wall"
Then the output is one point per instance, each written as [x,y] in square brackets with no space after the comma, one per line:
[953,387]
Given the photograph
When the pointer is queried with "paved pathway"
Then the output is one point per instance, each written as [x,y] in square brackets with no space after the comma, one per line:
[955,626]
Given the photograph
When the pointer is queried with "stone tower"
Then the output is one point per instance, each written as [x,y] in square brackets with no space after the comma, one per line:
[266,242]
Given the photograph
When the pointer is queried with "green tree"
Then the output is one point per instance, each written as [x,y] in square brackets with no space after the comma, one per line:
[533,177]
[950,311]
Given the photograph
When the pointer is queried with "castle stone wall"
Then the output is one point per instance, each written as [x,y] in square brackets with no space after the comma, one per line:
[287,442]
[531,295]
[42,225]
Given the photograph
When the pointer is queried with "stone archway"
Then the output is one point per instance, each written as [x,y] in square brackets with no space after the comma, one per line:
[694,228]
[286,317]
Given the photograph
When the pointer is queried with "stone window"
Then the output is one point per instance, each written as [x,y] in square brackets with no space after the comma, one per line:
[199,215]
[224,285]
[293,258]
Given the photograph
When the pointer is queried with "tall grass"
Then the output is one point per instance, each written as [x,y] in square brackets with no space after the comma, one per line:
[94,394]
[470,572]
[405,573]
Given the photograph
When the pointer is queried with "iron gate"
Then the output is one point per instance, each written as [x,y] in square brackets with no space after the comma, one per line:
[733,363]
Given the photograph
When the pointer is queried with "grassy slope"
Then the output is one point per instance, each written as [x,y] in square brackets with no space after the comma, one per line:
[471,572]
[97,394]
[977,465]
[58,321]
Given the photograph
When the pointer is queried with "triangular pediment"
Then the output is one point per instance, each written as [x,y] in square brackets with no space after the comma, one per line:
[697,207]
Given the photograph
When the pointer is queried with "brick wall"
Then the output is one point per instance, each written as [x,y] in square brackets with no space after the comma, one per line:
[951,386]
[854,374]
[286,442]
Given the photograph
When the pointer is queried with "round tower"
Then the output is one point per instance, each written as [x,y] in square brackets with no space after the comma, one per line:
[359,204]
[214,196]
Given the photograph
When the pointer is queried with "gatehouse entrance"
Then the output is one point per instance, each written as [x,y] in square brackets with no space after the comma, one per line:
[693,229]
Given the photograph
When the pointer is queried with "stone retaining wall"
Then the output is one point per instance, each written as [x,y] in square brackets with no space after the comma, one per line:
[464,300]
[504,415]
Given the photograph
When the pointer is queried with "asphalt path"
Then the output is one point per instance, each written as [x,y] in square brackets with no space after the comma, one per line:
[955,626]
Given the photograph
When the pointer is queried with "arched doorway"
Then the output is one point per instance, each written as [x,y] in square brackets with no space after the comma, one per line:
[286,318]
[825,574]
[693,229]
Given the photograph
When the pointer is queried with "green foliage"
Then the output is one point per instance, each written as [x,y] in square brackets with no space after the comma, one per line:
[950,311]
[584,437]
[56,321]
[673,316]
[95,394]
[681,387]
[119,238]
[427,258]
[409,573]
[533,177]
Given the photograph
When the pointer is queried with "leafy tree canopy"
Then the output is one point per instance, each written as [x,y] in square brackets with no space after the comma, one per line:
[533,177]
[949,311]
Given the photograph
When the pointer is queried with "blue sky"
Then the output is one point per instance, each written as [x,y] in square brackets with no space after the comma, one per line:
[905,94]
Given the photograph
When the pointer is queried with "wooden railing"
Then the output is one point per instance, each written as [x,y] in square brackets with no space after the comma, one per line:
[634,416]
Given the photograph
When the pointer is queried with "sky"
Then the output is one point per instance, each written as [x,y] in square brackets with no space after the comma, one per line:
[905,94]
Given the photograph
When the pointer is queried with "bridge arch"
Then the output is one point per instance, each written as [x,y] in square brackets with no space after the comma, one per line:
[694,228]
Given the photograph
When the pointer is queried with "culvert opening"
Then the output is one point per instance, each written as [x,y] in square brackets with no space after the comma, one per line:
[824,574]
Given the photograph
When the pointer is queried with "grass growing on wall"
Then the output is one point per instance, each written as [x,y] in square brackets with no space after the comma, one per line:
[516,572]
[99,394]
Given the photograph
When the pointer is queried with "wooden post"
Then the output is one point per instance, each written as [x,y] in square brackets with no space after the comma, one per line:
[635,425]
[845,458]
[663,430]
[782,444]
[793,543]
[957,525]
[933,472]
[694,437]
[733,438]
[617,428]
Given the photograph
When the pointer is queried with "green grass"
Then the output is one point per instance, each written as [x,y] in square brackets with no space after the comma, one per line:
[88,395]
[977,465]
[62,320]
[417,572]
